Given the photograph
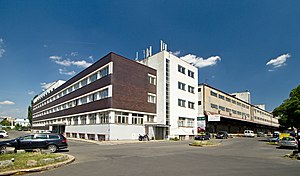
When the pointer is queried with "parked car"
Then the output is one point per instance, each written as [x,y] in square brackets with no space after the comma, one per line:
[273,139]
[248,133]
[260,134]
[50,141]
[288,142]
[203,136]
[222,135]
[3,134]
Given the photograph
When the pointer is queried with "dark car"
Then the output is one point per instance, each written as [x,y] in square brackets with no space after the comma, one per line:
[50,141]
[203,136]
[222,135]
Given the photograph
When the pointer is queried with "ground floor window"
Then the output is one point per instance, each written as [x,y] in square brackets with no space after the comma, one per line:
[101,137]
[74,135]
[81,135]
[91,136]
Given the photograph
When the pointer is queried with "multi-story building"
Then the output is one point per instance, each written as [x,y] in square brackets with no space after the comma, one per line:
[115,98]
[223,111]
[177,83]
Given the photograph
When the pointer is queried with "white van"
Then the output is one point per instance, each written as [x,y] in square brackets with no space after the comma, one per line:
[248,133]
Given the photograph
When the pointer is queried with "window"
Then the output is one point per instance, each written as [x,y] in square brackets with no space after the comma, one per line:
[103,93]
[233,101]
[83,82]
[181,69]
[93,77]
[103,72]
[83,100]
[181,86]
[212,93]
[191,105]
[150,118]
[191,89]
[151,98]
[181,122]
[199,102]
[121,117]
[51,136]
[228,99]
[92,118]
[41,136]
[239,104]
[152,79]
[228,110]
[191,74]
[181,103]
[76,86]
[75,120]
[221,97]
[214,106]
[222,108]
[83,120]
[199,89]
[137,119]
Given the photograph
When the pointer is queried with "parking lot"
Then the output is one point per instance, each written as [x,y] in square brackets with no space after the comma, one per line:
[234,156]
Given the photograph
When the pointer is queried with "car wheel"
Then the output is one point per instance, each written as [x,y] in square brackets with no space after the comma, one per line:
[52,148]
[3,149]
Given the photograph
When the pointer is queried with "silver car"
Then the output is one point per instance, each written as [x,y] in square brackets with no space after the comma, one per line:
[288,142]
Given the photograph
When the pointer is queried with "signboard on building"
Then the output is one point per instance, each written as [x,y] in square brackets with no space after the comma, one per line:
[201,124]
[214,118]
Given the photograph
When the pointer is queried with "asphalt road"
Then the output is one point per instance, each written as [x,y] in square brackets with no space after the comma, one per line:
[234,157]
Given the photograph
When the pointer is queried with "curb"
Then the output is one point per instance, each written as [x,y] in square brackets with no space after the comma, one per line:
[41,168]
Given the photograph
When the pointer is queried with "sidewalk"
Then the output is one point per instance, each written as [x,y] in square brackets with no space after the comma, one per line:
[115,142]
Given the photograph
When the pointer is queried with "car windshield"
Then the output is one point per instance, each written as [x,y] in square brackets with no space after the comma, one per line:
[287,139]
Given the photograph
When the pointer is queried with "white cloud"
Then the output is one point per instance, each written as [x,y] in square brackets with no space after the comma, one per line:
[82,63]
[2,51]
[66,72]
[68,62]
[279,61]
[92,59]
[46,85]
[55,57]
[31,92]
[6,102]
[45,46]
[176,53]
[74,54]
[199,61]
[64,62]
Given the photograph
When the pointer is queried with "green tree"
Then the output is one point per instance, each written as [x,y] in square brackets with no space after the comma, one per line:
[289,110]
[29,111]
[5,122]
[29,115]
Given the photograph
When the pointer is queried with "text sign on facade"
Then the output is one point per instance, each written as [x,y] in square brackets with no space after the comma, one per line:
[214,118]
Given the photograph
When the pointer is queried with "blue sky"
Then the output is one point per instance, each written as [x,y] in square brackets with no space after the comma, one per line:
[238,45]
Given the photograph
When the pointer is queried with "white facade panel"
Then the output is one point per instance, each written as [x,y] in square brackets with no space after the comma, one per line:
[125,132]
[158,62]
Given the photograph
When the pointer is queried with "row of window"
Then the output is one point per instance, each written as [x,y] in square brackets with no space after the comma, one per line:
[222,97]
[182,103]
[77,102]
[181,69]
[263,113]
[97,75]
[222,108]
[101,118]
[182,86]
[262,119]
